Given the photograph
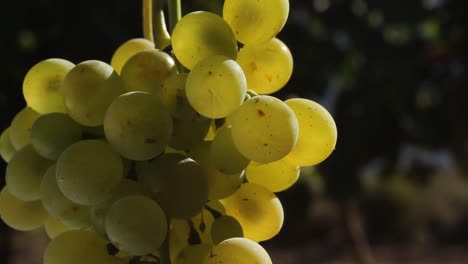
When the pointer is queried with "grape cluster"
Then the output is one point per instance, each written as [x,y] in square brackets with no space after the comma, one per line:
[157,156]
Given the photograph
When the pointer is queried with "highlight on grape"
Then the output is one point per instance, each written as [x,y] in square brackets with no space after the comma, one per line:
[169,155]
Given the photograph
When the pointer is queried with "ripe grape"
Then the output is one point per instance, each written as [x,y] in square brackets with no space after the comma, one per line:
[267,65]
[127,50]
[256,21]
[224,154]
[187,134]
[225,227]
[88,89]
[216,86]
[136,224]
[42,85]
[21,126]
[276,176]
[264,129]
[174,97]
[201,34]
[193,254]
[138,126]
[238,250]
[54,227]
[88,171]
[7,151]
[317,133]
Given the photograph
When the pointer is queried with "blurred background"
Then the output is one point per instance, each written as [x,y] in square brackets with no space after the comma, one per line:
[393,75]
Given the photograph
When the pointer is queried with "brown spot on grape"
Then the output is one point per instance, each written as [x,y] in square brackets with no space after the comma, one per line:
[256,100]
[245,199]
[260,112]
[253,66]
[269,77]
[151,140]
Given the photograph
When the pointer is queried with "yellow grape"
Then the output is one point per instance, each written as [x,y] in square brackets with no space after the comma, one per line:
[21,126]
[264,129]
[238,250]
[146,71]
[21,215]
[276,176]
[216,86]
[225,227]
[174,97]
[7,151]
[73,215]
[89,171]
[88,89]
[201,34]
[193,254]
[220,185]
[268,66]
[54,227]
[224,154]
[257,209]
[256,21]
[24,174]
[77,247]
[42,85]
[136,224]
[317,133]
[189,133]
[138,126]
[127,50]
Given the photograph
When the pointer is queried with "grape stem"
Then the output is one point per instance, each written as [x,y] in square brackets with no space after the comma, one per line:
[154,24]
[175,13]
[148,20]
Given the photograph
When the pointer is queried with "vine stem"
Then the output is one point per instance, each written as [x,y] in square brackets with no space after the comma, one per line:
[154,24]
[148,20]
[175,13]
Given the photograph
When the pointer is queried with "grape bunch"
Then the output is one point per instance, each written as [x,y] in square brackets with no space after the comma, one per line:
[164,156]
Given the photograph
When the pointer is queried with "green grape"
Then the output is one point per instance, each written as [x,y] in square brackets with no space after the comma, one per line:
[189,133]
[177,183]
[73,215]
[7,151]
[127,50]
[174,98]
[88,171]
[99,211]
[24,174]
[193,254]
[146,71]
[77,247]
[42,85]
[136,224]
[257,209]
[216,86]
[21,126]
[267,65]
[276,176]
[178,237]
[238,250]
[54,227]
[317,133]
[201,34]
[264,129]
[224,154]
[220,185]
[256,21]
[225,227]
[21,215]
[52,133]
[88,90]
[138,126]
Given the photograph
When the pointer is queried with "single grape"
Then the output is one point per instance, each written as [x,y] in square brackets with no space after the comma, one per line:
[24,174]
[54,227]
[264,129]
[224,154]
[317,133]
[178,184]
[276,176]
[225,227]
[256,21]
[73,215]
[7,151]
[193,254]
[257,209]
[147,70]
[89,171]
[267,65]
[138,126]
[136,224]
[77,247]
[52,133]
[201,34]
[220,185]
[238,250]
[88,89]
[42,85]
[187,134]
[127,50]
[174,98]
[20,127]
[216,86]
[21,215]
